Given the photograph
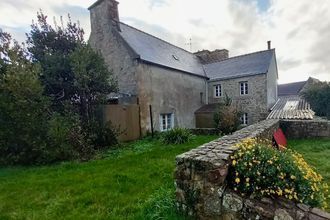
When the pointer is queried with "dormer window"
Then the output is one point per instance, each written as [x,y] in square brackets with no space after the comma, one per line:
[175,57]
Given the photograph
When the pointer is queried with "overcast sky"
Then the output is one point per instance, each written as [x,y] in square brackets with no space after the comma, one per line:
[298,29]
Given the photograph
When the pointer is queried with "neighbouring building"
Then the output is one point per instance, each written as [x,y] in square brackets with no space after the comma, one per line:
[174,87]
[290,103]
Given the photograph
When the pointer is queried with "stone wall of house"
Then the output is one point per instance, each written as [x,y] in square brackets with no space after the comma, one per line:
[255,103]
[315,128]
[201,188]
[169,91]
[272,76]
[105,39]
[201,173]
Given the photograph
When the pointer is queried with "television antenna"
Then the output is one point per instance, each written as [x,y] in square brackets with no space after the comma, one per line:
[189,44]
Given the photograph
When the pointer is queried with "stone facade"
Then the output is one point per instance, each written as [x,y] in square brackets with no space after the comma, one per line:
[105,39]
[167,89]
[148,84]
[255,103]
[316,128]
[201,188]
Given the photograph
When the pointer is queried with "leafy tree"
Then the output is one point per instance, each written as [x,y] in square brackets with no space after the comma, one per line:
[318,95]
[75,77]
[92,80]
[23,108]
[51,48]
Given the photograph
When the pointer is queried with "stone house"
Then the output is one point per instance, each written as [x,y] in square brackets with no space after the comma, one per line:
[171,84]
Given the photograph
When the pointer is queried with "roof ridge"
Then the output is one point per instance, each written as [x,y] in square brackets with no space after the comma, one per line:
[242,55]
[304,81]
[158,38]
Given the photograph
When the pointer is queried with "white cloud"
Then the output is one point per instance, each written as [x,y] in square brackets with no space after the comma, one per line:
[299,30]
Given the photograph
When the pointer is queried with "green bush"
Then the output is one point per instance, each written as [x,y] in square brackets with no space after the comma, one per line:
[23,108]
[262,170]
[176,136]
[103,136]
[227,117]
[318,95]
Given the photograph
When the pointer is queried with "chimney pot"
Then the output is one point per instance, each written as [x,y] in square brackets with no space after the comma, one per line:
[269,43]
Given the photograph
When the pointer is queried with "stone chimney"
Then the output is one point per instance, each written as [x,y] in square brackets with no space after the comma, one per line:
[104,12]
[207,56]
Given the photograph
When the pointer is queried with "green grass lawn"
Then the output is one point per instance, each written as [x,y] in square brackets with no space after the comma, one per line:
[135,182]
[317,153]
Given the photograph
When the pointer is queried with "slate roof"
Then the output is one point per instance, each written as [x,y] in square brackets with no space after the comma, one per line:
[154,50]
[290,88]
[291,107]
[244,65]
[209,108]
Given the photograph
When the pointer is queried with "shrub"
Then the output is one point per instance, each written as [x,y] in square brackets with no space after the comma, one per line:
[103,136]
[176,136]
[227,117]
[60,130]
[23,107]
[261,170]
[318,95]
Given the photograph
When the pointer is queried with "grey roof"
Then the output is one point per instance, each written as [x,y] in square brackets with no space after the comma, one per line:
[290,88]
[244,65]
[154,50]
[209,108]
[291,107]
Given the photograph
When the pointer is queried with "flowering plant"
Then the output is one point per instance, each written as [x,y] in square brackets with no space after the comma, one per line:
[259,169]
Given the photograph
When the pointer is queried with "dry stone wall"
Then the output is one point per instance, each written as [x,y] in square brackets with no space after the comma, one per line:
[201,173]
[315,128]
[201,189]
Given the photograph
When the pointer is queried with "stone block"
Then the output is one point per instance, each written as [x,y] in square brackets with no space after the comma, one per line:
[232,202]
[281,214]
[320,213]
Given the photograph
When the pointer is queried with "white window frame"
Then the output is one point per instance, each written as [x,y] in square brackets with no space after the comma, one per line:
[168,118]
[217,91]
[244,119]
[244,88]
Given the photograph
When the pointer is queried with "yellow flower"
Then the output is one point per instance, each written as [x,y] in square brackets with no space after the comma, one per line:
[237,180]
[234,162]
[247,179]
[293,177]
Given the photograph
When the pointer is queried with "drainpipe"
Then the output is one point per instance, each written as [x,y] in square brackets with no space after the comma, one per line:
[206,88]
[206,92]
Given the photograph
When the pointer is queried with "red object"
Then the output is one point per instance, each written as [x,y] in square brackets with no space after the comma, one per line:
[280,138]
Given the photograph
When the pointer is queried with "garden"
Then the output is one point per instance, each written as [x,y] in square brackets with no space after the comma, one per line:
[131,182]
[134,181]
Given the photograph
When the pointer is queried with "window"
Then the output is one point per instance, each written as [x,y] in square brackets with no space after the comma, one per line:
[244,88]
[166,122]
[217,90]
[244,119]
